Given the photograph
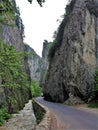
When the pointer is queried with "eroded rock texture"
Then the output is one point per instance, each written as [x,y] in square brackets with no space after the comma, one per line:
[72,67]
[34,63]
[11,33]
[45,63]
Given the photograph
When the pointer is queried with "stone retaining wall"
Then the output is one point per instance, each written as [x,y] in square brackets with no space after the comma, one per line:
[48,122]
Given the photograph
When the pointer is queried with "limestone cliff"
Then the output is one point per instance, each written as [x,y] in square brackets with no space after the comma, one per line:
[72,65]
[45,63]
[12,33]
[38,65]
[34,62]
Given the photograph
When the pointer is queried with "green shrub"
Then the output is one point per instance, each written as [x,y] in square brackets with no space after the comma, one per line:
[93,105]
[94,95]
[9,9]
[14,79]
[3,115]
[35,89]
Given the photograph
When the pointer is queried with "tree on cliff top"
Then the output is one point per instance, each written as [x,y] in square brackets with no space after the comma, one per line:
[39,2]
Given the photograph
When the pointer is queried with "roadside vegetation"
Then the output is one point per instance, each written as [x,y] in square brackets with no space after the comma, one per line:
[93,105]
[14,81]
[3,115]
[95,89]
[94,96]
[36,90]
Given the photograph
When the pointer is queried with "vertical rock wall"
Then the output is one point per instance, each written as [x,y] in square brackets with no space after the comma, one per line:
[11,34]
[72,67]
[45,63]
[34,63]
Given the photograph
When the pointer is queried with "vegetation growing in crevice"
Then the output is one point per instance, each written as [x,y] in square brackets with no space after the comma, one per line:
[3,115]
[8,11]
[10,15]
[59,35]
[14,79]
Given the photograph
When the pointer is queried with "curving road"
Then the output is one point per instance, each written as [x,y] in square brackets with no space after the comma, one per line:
[71,118]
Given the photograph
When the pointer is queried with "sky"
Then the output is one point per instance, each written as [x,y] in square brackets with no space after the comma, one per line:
[40,22]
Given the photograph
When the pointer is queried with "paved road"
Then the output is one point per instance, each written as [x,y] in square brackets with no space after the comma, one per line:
[71,118]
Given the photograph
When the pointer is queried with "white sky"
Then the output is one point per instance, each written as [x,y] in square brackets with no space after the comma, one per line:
[40,22]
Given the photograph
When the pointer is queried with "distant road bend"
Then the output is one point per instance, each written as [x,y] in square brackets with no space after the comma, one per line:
[71,118]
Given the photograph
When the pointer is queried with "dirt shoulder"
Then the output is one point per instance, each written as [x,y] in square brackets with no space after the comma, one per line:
[85,107]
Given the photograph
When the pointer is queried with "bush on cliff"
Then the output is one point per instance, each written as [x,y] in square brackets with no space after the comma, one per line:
[14,79]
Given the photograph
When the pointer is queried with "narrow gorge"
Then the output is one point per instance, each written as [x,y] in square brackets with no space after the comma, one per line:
[66,73]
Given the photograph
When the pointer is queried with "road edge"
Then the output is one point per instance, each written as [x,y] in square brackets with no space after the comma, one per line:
[45,123]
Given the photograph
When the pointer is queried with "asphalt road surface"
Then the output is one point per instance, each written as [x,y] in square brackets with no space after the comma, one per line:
[70,118]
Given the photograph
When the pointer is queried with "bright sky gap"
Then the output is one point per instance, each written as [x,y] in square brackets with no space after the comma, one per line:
[40,22]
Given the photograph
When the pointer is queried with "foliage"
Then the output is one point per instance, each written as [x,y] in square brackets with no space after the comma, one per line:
[7,6]
[95,89]
[8,10]
[59,34]
[3,115]
[10,62]
[14,79]
[35,89]
[38,111]
[93,105]
[40,2]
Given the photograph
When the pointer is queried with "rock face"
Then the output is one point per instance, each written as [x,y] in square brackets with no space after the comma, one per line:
[34,62]
[45,63]
[38,65]
[72,67]
[11,34]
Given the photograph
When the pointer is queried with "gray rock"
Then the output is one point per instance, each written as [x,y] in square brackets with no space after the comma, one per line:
[72,67]
[34,63]
[45,63]
[11,34]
